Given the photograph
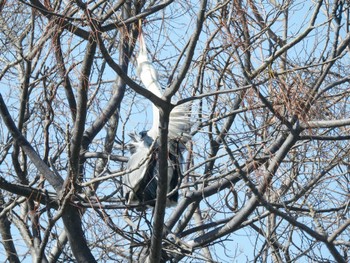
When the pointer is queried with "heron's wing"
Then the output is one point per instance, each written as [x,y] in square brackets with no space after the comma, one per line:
[179,134]
[180,123]
[140,184]
[174,176]
[147,190]
[137,163]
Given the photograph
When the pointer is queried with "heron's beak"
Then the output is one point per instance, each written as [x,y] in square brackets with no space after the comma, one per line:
[140,29]
[140,25]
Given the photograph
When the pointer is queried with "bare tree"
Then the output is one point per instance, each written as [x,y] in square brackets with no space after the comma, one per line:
[267,175]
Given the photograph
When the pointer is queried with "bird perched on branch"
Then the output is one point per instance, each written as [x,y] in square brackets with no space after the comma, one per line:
[140,184]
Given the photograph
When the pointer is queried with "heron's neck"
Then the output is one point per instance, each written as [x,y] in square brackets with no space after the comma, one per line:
[153,132]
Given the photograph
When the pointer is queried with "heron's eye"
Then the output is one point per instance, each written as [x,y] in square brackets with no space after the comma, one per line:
[143,134]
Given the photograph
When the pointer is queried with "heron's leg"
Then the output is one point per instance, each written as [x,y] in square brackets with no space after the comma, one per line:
[127,219]
[175,240]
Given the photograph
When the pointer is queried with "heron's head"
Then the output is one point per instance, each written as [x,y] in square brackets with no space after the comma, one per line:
[146,138]
[139,141]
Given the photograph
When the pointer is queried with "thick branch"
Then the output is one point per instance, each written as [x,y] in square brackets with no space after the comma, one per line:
[159,210]
[61,20]
[7,239]
[292,43]
[55,180]
[31,193]
[79,124]
[192,45]
[135,18]
[325,124]
[253,202]
[64,75]
[73,225]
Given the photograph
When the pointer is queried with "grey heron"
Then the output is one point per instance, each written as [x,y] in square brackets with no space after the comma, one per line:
[140,184]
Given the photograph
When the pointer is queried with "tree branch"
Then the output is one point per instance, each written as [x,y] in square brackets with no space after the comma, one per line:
[79,125]
[191,47]
[55,180]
